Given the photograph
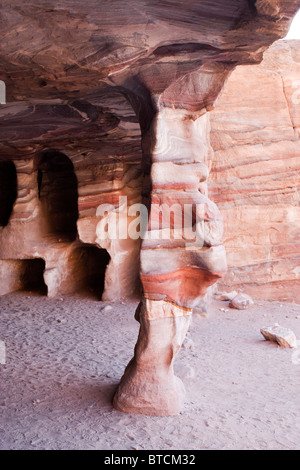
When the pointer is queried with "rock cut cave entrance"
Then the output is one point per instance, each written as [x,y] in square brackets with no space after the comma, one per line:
[58,195]
[32,276]
[26,275]
[8,190]
[90,263]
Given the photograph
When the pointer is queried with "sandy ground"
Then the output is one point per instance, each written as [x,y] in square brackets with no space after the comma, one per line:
[64,358]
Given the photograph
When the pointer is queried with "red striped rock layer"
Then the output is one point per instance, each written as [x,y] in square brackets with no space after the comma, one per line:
[255,175]
[181,256]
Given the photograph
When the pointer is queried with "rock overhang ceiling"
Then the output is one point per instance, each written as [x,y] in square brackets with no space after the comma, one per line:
[68,49]
[77,53]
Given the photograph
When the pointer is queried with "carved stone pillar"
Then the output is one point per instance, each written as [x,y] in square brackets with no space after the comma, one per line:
[181,257]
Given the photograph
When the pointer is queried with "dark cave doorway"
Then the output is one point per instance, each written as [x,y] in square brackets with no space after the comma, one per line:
[58,194]
[90,263]
[8,190]
[32,276]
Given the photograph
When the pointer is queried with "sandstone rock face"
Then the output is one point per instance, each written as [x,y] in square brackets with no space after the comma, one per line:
[183,275]
[56,50]
[61,184]
[255,174]
[109,104]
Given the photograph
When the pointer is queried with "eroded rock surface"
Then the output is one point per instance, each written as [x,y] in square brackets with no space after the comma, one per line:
[255,174]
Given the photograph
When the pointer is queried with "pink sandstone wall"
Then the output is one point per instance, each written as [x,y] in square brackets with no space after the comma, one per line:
[255,177]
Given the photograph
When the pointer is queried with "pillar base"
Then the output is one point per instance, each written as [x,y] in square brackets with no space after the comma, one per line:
[149,385]
[140,393]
